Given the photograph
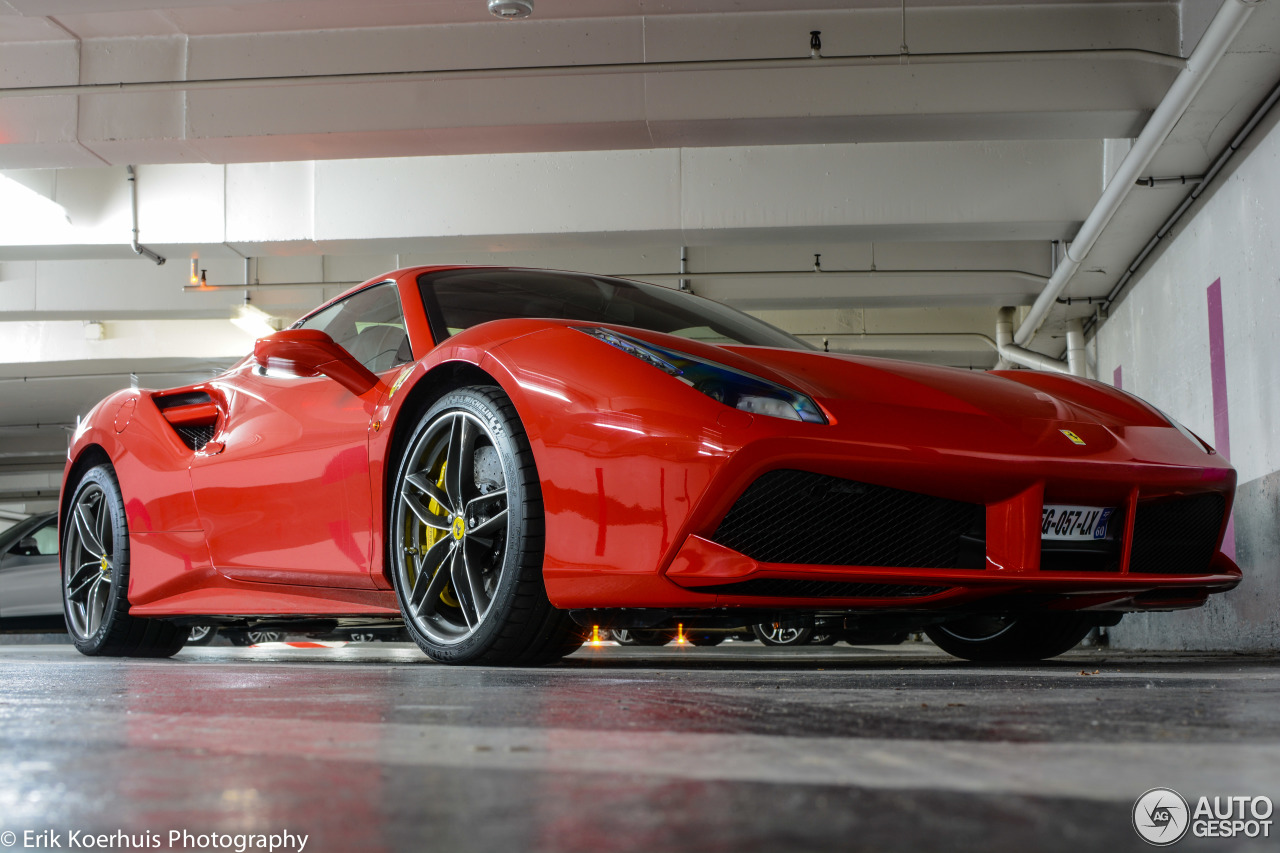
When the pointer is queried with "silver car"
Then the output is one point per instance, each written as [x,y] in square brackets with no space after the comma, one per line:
[30,584]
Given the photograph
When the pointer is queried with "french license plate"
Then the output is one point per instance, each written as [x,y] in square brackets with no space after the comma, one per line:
[1062,522]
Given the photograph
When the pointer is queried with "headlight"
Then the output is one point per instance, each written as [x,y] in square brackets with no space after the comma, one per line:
[722,384]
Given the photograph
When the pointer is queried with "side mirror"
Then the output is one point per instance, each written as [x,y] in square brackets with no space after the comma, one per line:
[309,351]
[27,547]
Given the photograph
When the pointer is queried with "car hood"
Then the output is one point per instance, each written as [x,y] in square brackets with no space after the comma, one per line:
[999,411]
[835,377]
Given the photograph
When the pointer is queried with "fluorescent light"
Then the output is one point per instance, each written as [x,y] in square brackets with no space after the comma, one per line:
[27,216]
[254,321]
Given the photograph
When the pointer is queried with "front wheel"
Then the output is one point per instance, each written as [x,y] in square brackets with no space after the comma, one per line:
[466,538]
[95,576]
[1007,639]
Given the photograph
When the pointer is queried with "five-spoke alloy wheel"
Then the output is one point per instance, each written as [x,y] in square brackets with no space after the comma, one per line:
[466,538]
[95,576]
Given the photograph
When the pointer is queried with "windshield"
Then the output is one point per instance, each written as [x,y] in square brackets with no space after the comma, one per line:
[458,299]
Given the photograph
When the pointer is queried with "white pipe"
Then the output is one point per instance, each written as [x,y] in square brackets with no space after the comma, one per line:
[1010,351]
[919,338]
[1213,44]
[1120,54]
[139,249]
[1076,361]
[268,285]
[818,273]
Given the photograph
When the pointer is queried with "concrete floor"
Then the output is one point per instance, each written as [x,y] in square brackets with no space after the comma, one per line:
[736,748]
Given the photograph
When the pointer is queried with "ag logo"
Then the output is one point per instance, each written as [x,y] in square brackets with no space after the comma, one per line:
[1161,817]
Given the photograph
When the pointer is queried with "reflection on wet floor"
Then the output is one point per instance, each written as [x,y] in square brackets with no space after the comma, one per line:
[374,747]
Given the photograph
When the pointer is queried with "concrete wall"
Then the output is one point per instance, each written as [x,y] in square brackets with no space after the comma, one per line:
[1196,336]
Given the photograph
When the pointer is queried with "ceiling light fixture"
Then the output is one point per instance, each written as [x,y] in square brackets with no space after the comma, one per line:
[27,212]
[254,321]
[510,10]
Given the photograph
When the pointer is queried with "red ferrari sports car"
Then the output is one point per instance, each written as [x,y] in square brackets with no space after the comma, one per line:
[498,457]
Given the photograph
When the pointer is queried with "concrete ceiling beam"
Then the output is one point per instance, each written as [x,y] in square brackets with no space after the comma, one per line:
[516,112]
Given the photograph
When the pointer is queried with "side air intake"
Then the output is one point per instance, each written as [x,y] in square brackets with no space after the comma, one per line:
[192,414]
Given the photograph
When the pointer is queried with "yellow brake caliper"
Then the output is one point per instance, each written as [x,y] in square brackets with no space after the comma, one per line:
[430,536]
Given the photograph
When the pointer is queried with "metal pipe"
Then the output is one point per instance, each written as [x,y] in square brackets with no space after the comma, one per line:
[1226,154]
[865,60]
[265,285]
[1077,363]
[139,249]
[915,337]
[1213,44]
[1181,180]
[119,374]
[818,272]
[1010,351]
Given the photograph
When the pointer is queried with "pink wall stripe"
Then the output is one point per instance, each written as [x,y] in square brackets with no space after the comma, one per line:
[1218,383]
[1117,378]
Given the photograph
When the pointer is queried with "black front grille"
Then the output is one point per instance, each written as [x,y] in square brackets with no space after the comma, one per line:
[799,517]
[196,437]
[1100,556]
[788,588]
[1177,537]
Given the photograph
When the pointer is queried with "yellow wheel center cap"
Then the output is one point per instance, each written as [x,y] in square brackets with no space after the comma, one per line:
[459,527]
[105,566]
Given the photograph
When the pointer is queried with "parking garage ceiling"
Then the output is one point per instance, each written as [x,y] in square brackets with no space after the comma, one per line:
[931,154]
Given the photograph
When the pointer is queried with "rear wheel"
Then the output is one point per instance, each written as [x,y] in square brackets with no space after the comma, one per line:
[781,634]
[466,538]
[253,638]
[1005,638]
[201,635]
[95,576]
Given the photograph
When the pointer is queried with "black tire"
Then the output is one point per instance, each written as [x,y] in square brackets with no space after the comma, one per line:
[643,636]
[465,544]
[989,639]
[201,635]
[781,634]
[95,576]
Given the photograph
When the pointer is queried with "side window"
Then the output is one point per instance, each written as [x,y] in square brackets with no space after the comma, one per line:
[42,542]
[47,539]
[369,325]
